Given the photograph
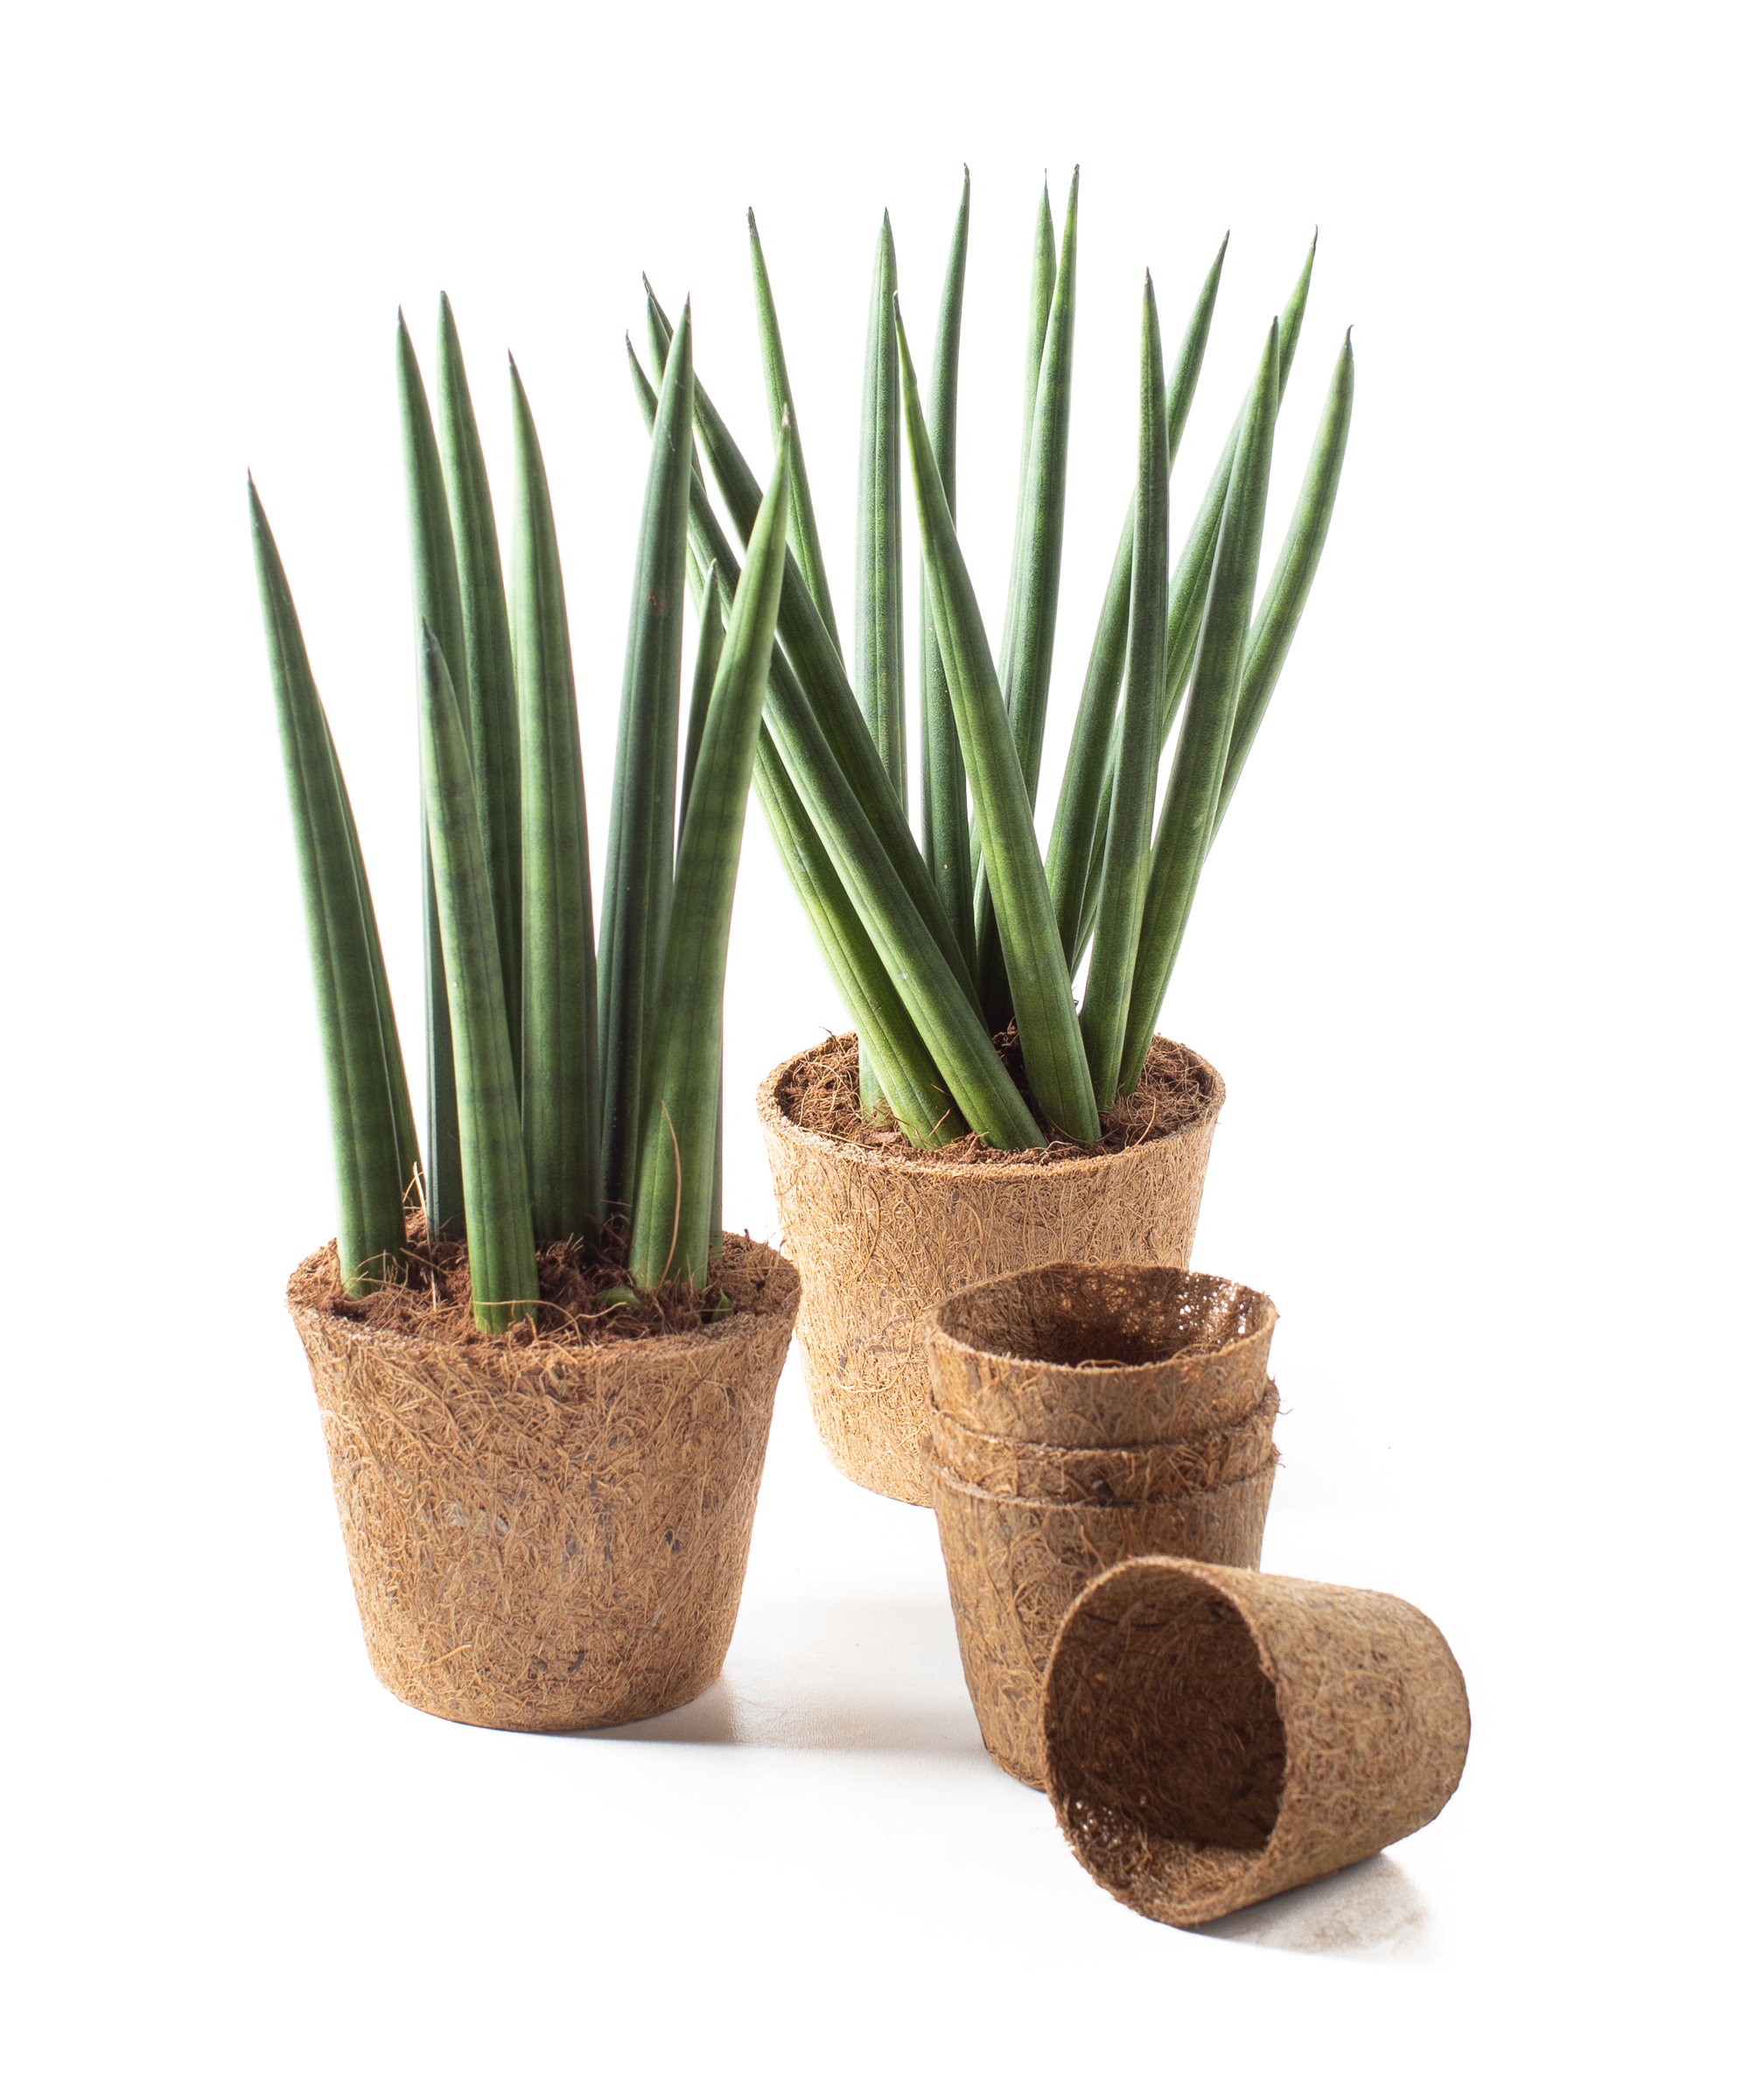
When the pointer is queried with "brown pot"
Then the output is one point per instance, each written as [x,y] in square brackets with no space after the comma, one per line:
[1214,1736]
[1014,1569]
[882,1237]
[1085,1356]
[549,1536]
[1147,1472]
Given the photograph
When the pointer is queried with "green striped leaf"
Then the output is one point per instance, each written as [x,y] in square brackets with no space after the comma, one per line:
[781,398]
[1194,786]
[1124,877]
[1040,288]
[560,1090]
[361,1051]
[947,839]
[1188,592]
[1038,548]
[1286,600]
[1084,802]
[904,1072]
[437,600]
[915,1090]
[820,680]
[1084,810]
[640,880]
[1045,1008]
[880,677]
[500,1238]
[491,677]
[672,1222]
[1030,626]
[707,655]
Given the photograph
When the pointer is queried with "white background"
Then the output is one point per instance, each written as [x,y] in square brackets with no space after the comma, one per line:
[1467,956]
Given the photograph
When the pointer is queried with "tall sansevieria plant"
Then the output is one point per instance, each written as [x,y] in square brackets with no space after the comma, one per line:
[570,1088]
[939,942]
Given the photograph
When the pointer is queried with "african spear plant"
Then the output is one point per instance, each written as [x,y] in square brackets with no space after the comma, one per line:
[936,948]
[567,1088]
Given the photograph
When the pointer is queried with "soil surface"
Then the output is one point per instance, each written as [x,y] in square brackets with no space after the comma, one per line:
[820,1093]
[433,1304]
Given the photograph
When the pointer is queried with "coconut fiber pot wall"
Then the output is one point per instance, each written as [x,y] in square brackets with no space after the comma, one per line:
[1015,1568]
[1081,1356]
[1145,1473]
[547,1536]
[882,1233]
[1214,1736]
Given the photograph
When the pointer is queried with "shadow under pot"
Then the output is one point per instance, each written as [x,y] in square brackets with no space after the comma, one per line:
[1216,1736]
[882,1232]
[547,1535]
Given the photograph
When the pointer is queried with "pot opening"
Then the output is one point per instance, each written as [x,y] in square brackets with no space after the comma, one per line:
[1104,1318]
[819,1091]
[1166,1748]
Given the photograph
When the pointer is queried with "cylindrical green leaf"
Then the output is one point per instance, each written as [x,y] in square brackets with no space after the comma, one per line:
[821,676]
[491,681]
[640,855]
[780,398]
[1286,600]
[946,838]
[914,1090]
[1194,786]
[1039,545]
[708,654]
[561,1077]
[501,1238]
[437,601]
[357,1033]
[1188,592]
[906,1074]
[1081,813]
[671,1221]
[1042,286]
[1045,1008]
[909,960]
[1125,873]
[880,674]
[1030,626]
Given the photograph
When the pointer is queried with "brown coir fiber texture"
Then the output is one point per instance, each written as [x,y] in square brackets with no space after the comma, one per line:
[882,1234]
[1015,1568]
[1082,1356]
[548,1534]
[1216,1736]
[1146,1472]
[433,1302]
[820,1091]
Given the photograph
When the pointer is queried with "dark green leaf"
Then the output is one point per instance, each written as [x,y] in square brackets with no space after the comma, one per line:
[500,1238]
[361,1051]
[640,879]
[561,1077]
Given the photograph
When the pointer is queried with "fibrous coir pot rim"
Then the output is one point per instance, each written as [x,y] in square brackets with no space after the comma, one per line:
[544,1351]
[1196,1353]
[1015,1447]
[953,1481]
[906,1162]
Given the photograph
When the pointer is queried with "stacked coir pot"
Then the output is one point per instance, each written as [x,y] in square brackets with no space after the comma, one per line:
[1082,1416]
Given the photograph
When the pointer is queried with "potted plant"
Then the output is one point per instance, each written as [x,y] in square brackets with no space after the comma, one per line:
[977,1121]
[545,1373]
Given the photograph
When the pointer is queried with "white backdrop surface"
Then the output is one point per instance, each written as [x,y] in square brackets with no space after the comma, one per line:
[1466,955]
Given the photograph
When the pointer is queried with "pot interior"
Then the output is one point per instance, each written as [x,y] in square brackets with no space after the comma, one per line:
[1166,1748]
[1095,1316]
